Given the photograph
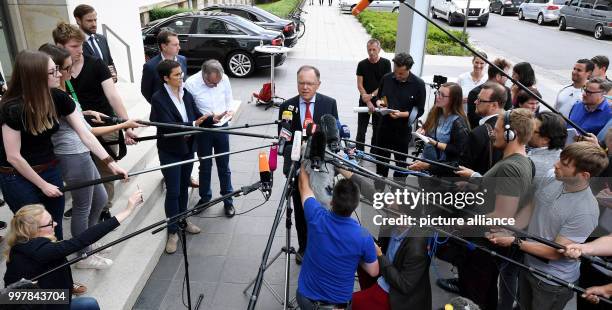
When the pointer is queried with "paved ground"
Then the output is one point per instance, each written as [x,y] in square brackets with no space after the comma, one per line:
[225,257]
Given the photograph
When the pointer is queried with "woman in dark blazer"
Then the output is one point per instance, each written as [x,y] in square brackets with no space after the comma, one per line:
[175,105]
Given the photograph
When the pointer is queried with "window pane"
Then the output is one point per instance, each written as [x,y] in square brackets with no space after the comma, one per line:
[211,26]
[179,26]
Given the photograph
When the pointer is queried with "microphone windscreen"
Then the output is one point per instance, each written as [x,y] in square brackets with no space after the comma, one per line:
[296,148]
[273,157]
[287,116]
[285,133]
[362,5]
[462,303]
[264,165]
[317,145]
[345,132]
[330,129]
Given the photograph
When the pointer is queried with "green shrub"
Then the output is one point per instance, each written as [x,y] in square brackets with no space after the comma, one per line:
[383,26]
[159,13]
[280,8]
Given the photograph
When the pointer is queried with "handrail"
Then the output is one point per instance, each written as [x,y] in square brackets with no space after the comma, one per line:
[105,29]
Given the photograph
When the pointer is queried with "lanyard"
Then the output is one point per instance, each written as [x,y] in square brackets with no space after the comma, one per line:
[74,95]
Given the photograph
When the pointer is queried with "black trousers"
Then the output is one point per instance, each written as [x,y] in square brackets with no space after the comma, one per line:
[394,139]
[300,219]
[363,119]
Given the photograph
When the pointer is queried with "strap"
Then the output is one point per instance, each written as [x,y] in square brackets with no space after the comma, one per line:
[72,92]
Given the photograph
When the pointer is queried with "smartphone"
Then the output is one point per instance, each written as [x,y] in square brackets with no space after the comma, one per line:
[571,136]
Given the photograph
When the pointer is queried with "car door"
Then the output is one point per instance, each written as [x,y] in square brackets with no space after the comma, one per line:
[495,5]
[571,12]
[538,6]
[183,27]
[602,12]
[584,21]
[210,41]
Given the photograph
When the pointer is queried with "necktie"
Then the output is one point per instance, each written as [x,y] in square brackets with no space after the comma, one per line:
[94,47]
[307,116]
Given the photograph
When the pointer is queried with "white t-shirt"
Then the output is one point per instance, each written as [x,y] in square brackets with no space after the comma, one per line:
[467,83]
[566,99]
[210,99]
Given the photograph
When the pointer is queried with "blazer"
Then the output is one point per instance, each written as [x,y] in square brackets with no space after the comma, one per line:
[103,44]
[478,153]
[38,255]
[150,82]
[163,110]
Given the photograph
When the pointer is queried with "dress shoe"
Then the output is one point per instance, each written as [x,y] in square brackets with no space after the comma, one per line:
[68,214]
[449,285]
[200,202]
[229,210]
[192,228]
[171,244]
[194,183]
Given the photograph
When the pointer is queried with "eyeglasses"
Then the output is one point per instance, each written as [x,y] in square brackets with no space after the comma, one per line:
[54,71]
[309,84]
[66,68]
[588,92]
[48,225]
[484,101]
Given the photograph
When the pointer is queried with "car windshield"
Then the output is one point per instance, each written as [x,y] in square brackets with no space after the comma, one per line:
[245,23]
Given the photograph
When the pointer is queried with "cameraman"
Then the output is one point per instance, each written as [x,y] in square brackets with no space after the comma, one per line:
[336,246]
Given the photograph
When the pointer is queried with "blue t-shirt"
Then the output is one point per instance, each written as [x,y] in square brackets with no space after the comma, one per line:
[593,121]
[336,244]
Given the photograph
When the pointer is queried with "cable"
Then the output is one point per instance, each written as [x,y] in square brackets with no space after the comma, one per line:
[241,213]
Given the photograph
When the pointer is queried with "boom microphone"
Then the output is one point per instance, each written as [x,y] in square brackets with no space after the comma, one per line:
[330,129]
[362,5]
[264,174]
[317,150]
[296,149]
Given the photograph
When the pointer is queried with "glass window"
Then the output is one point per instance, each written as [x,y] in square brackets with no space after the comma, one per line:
[541,1]
[603,5]
[231,29]
[179,26]
[587,4]
[211,26]
[240,13]
[574,3]
[559,2]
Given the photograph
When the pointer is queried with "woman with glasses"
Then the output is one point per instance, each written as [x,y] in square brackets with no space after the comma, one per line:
[75,158]
[174,104]
[32,248]
[447,129]
[29,115]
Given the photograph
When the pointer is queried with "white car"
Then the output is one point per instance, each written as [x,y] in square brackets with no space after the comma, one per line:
[543,11]
[454,11]
[375,5]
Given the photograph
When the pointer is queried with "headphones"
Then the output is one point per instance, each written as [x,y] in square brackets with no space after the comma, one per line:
[509,134]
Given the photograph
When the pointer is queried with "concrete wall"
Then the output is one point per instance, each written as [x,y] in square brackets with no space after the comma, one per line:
[33,20]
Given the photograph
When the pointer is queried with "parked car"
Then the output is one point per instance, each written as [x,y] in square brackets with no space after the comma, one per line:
[228,38]
[375,5]
[589,15]
[454,11]
[543,11]
[504,7]
[260,17]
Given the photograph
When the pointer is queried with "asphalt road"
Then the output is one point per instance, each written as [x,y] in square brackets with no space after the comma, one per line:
[543,46]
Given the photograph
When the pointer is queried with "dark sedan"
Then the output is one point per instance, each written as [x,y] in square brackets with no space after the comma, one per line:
[504,7]
[228,38]
[262,18]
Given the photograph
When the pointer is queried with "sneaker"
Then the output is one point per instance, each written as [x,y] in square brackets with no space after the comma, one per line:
[94,262]
[105,215]
[68,214]
[171,244]
[192,228]
[78,289]
[99,245]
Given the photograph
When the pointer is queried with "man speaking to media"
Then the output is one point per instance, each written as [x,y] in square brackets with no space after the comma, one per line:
[308,107]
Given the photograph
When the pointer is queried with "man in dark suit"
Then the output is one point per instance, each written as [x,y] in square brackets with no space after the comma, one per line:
[169,48]
[95,45]
[308,107]
[494,76]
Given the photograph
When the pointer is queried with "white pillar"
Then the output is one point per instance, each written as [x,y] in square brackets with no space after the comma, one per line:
[412,33]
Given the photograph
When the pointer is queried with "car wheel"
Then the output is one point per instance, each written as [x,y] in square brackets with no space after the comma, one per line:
[483,24]
[433,14]
[395,10]
[562,24]
[540,19]
[520,15]
[502,11]
[240,64]
[599,32]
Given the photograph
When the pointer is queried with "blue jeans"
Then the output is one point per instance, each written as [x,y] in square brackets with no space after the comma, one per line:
[18,192]
[84,303]
[177,181]
[220,143]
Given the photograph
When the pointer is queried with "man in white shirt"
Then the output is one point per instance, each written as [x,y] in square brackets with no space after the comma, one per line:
[572,93]
[212,92]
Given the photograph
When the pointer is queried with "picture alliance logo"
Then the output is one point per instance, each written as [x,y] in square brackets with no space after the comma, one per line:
[411,198]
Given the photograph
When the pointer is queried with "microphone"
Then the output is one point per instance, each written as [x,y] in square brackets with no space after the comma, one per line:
[345,132]
[330,129]
[461,303]
[285,135]
[297,146]
[265,176]
[316,153]
[362,5]
[273,155]
[349,147]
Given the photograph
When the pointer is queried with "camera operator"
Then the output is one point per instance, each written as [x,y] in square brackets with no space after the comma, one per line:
[337,244]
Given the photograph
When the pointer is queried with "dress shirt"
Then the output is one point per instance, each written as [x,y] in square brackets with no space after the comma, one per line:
[178,102]
[95,45]
[210,100]
[485,119]
[303,109]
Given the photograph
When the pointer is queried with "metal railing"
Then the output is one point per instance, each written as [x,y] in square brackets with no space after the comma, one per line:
[106,29]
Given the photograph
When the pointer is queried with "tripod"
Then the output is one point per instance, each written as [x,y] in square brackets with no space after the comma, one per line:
[287,249]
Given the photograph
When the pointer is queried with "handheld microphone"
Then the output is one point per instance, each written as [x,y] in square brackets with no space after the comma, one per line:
[330,129]
[285,135]
[265,176]
[362,5]
[273,155]
[296,149]
[317,150]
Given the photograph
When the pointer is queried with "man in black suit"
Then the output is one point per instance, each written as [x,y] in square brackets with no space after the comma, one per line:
[96,45]
[494,76]
[308,107]
[169,47]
